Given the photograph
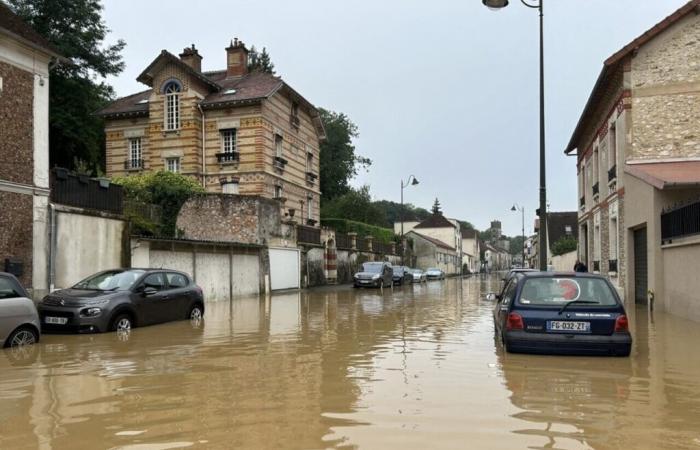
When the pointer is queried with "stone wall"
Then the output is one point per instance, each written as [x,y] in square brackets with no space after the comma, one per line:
[16,216]
[17,118]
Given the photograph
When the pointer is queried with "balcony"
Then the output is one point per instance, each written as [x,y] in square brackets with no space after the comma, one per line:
[612,265]
[280,163]
[679,222]
[596,189]
[612,173]
[308,235]
[133,164]
[227,157]
[311,177]
[596,266]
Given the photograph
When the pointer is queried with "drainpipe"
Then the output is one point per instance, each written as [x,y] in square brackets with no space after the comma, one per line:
[204,150]
[52,247]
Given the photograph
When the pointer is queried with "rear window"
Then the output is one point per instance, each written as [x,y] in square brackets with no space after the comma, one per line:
[559,291]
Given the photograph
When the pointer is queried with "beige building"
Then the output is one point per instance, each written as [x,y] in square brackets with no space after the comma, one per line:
[471,253]
[235,131]
[638,158]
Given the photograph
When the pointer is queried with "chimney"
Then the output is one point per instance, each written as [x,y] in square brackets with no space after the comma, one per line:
[236,59]
[192,58]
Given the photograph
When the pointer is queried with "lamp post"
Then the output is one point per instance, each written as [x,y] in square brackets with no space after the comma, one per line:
[412,183]
[522,211]
[542,238]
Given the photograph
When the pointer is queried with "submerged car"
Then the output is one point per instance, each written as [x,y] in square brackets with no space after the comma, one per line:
[550,313]
[19,321]
[374,274]
[418,276]
[401,275]
[118,300]
[434,274]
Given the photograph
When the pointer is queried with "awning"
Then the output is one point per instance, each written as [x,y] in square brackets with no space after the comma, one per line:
[665,175]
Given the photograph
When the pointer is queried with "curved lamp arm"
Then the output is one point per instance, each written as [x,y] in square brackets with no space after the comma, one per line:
[408,181]
[535,6]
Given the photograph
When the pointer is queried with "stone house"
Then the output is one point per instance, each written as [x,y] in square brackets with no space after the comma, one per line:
[638,161]
[470,249]
[235,131]
[495,258]
[432,252]
[25,61]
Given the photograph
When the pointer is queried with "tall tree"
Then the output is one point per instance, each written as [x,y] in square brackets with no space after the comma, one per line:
[77,31]
[357,205]
[260,61]
[338,161]
[436,208]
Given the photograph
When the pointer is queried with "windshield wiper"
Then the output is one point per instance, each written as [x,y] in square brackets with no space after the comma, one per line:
[579,302]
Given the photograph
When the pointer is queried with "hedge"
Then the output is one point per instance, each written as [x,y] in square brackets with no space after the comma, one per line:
[384,235]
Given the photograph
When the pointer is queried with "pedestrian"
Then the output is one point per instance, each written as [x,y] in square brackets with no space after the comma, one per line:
[580,267]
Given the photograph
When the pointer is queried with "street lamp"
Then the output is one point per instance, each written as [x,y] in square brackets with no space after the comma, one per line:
[542,238]
[412,183]
[522,210]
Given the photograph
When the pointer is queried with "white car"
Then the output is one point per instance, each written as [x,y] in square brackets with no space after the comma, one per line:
[19,321]
[435,274]
[418,276]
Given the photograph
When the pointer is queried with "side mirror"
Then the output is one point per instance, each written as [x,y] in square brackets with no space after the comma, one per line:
[491,297]
[148,291]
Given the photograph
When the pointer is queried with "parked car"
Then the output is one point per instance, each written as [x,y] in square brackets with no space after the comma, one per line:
[514,272]
[374,274]
[418,276]
[118,300]
[401,275]
[434,274]
[555,313]
[19,321]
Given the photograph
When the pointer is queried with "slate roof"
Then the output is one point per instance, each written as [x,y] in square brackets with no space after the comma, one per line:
[612,63]
[435,221]
[557,223]
[12,25]
[434,241]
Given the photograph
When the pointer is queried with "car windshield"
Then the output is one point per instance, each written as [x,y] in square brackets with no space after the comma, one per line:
[372,267]
[558,291]
[115,280]
[398,270]
[433,269]
[416,271]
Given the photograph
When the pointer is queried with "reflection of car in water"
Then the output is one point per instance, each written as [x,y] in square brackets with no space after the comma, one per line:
[374,274]
[19,322]
[541,312]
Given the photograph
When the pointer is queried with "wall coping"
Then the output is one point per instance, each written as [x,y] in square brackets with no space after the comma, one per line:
[682,242]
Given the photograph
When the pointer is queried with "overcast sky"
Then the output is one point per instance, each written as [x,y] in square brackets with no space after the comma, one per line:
[446,90]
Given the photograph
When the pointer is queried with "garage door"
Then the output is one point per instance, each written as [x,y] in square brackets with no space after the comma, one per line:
[284,268]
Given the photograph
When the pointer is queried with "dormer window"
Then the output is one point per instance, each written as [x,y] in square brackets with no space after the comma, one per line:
[172,92]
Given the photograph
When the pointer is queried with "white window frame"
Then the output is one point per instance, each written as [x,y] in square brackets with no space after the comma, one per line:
[135,152]
[229,140]
[172,106]
[230,187]
[279,141]
[172,164]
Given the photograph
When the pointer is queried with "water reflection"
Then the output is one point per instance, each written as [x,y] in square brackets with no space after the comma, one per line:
[413,367]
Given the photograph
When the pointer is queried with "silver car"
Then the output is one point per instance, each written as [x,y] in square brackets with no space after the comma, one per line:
[19,321]
[418,276]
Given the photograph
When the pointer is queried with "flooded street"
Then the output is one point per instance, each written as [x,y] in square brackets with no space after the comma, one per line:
[339,368]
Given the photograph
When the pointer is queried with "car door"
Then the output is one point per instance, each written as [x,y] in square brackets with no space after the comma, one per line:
[180,295]
[153,308]
[504,303]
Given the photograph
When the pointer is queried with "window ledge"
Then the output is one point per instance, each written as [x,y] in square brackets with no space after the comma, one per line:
[681,242]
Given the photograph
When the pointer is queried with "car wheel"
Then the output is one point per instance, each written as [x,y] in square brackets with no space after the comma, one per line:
[122,323]
[196,313]
[22,336]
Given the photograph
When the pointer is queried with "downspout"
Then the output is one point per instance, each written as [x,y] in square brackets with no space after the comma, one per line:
[52,247]
[204,150]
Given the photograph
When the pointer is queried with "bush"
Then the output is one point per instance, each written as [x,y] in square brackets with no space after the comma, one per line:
[383,235]
[564,245]
[167,190]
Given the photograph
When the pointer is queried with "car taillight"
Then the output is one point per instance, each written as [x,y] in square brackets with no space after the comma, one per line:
[515,322]
[621,324]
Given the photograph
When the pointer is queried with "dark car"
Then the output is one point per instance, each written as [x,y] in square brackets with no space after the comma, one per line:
[374,274]
[561,313]
[402,275]
[118,300]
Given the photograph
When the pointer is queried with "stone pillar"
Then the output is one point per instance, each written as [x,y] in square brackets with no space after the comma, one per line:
[353,240]
[370,246]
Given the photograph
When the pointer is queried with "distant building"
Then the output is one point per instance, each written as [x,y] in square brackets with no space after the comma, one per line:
[471,252]
[25,58]
[431,252]
[559,225]
[638,161]
[440,232]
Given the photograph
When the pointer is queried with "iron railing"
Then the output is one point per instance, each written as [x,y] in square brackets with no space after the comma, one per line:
[596,266]
[380,247]
[362,244]
[612,265]
[227,157]
[343,241]
[84,192]
[308,235]
[680,221]
[612,173]
[133,164]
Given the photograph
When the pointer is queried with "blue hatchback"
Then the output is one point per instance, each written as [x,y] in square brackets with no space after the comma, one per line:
[561,313]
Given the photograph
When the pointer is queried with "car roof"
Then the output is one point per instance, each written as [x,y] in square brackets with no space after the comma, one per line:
[540,274]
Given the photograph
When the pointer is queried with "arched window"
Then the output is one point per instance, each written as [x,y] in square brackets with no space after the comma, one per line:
[172,105]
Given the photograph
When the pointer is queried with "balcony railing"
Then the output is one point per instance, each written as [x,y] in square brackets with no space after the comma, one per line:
[280,162]
[612,173]
[362,244]
[311,177]
[596,266]
[133,164]
[612,265]
[342,241]
[596,189]
[227,157]
[308,235]
[680,221]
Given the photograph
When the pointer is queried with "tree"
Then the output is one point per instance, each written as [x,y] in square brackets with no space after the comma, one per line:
[436,208]
[356,204]
[466,225]
[395,213]
[77,31]
[338,161]
[565,244]
[260,61]
[516,245]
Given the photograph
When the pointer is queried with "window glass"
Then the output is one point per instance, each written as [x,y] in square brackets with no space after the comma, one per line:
[176,280]
[509,292]
[230,188]
[559,291]
[154,280]
[135,152]
[9,288]
[173,165]
[278,145]
[110,281]
[172,106]
[372,267]
[228,140]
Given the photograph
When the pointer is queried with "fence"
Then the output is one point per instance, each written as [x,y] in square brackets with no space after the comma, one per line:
[362,244]
[83,192]
[380,247]
[681,221]
[342,241]
[308,235]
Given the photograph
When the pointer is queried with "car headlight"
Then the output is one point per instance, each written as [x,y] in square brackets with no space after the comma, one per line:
[98,302]
[91,312]
[375,277]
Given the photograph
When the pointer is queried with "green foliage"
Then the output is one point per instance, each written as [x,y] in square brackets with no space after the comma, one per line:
[260,61]
[77,31]
[356,204]
[384,235]
[466,225]
[565,244]
[338,161]
[436,207]
[165,189]
[393,212]
[516,245]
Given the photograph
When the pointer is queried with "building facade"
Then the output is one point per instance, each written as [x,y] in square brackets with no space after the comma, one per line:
[638,161]
[471,253]
[431,252]
[235,131]
[25,58]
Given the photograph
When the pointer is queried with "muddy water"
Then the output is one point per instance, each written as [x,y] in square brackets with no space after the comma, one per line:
[338,368]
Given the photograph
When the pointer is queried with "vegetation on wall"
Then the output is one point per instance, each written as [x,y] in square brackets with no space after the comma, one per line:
[167,190]
[384,235]
[564,245]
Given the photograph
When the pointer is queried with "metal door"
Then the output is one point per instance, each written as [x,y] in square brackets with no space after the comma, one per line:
[284,269]
[640,266]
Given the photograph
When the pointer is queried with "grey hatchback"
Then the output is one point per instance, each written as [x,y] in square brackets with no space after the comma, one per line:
[19,322]
[118,300]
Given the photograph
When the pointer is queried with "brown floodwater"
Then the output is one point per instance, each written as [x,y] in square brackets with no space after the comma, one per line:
[416,368]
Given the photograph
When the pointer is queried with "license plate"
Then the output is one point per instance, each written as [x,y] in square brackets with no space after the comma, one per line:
[56,320]
[560,325]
